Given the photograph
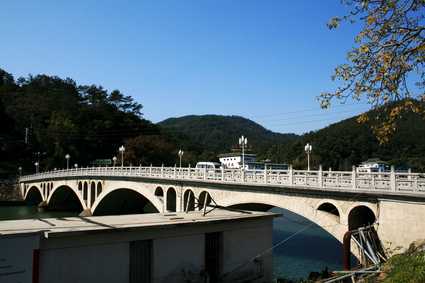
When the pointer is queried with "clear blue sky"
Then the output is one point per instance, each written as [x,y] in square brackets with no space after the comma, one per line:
[265,60]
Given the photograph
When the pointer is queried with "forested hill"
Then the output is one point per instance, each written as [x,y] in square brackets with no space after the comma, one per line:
[217,134]
[43,118]
[338,146]
[347,143]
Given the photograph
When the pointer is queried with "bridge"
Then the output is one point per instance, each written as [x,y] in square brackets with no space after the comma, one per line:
[337,201]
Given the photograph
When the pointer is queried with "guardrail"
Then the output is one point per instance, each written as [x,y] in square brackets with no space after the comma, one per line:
[351,180]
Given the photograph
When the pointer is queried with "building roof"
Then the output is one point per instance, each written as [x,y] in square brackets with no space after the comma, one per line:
[69,225]
[234,154]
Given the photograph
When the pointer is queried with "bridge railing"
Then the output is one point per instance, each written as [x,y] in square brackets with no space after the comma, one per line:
[404,182]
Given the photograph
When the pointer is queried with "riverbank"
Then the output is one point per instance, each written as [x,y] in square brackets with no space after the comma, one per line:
[9,192]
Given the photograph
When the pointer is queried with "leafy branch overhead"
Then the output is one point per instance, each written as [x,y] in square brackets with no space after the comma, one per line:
[386,65]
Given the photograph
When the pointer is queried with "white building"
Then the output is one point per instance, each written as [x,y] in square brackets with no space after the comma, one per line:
[173,247]
[373,165]
[234,160]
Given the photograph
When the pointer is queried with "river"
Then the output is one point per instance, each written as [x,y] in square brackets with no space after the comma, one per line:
[311,250]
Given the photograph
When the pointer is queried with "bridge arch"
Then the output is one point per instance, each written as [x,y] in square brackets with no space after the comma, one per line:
[330,208]
[63,197]
[188,200]
[159,192]
[99,189]
[33,195]
[360,215]
[302,207]
[171,200]
[204,199]
[124,201]
[92,192]
[85,191]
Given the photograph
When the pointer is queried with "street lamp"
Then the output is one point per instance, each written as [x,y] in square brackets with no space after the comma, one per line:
[181,152]
[243,141]
[122,149]
[75,165]
[36,166]
[67,157]
[114,160]
[308,148]
[20,171]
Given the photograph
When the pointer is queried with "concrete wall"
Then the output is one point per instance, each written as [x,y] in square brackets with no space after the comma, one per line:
[178,259]
[108,263]
[16,253]
[400,223]
[238,249]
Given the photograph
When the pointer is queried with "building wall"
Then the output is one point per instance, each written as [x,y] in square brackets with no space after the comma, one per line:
[16,254]
[178,259]
[239,248]
[98,263]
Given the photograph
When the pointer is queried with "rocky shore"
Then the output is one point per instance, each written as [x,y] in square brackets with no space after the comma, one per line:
[9,191]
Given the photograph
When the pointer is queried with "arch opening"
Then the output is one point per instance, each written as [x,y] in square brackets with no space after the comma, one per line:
[33,196]
[64,199]
[204,199]
[171,200]
[80,186]
[159,192]
[92,193]
[360,216]
[189,200]
[85,189]
[99,188]
[124,201]
[329,208]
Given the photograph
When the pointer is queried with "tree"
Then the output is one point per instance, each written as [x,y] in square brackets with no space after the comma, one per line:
[386,65]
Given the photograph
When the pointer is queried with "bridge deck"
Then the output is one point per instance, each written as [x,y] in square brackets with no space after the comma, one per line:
[375,182]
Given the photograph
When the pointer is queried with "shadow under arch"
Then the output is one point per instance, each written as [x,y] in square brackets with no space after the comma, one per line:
[63,198]
[124,201]
[33,196]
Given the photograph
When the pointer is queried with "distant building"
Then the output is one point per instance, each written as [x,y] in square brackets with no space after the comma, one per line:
[373,165]
[234,161]
[222,246]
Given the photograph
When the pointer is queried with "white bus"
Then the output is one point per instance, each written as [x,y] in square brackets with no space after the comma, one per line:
[208,165]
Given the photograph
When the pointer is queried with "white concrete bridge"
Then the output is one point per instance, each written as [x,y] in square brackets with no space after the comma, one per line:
[335,200]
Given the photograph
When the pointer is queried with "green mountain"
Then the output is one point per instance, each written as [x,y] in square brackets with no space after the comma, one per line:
[338,146]
[214,134]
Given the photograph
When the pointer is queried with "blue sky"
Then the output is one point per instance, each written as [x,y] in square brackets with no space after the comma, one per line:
[264,60]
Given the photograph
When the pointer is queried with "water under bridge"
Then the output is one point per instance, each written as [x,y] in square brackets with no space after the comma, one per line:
[337,201]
